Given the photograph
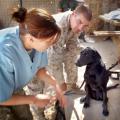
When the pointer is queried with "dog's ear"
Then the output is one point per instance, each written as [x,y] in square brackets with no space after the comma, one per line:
[88,48]
[96,55]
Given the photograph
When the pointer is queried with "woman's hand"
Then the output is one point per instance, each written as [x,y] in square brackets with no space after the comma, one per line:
[42,100]
[44,75]
[60,95]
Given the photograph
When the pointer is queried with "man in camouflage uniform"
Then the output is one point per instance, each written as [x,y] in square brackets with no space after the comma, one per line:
[64,52]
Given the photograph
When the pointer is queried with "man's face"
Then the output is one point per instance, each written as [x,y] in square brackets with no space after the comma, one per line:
[78,22]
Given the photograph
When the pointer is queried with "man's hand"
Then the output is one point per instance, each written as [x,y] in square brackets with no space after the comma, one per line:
[44,75]
[60,96]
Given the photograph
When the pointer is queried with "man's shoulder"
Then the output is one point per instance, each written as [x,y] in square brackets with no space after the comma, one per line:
[62,18]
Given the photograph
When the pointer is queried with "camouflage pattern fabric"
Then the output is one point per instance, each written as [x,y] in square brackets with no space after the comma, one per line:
[63,54]
[21,112]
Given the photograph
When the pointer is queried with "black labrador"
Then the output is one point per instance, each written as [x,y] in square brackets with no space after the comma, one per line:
[96,77]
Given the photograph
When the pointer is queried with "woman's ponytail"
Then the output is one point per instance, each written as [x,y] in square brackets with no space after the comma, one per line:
[19,15]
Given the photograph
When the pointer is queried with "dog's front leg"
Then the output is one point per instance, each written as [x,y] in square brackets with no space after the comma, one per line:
[105,101]
[87,98]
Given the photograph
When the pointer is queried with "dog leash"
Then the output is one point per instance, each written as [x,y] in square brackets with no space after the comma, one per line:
[113,65]
[60,115]
[75,92]
[114,72]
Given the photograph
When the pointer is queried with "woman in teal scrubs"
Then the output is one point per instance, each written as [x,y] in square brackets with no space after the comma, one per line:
[23,55]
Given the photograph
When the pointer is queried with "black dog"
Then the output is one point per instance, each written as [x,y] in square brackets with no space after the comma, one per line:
[95,77]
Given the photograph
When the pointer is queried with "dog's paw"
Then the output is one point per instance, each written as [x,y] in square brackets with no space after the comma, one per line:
[105,112]
[82,99]
[86,105]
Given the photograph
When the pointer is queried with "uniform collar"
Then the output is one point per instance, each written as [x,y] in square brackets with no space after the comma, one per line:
[67,19]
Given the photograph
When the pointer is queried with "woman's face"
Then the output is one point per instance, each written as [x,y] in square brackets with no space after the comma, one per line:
[43,44]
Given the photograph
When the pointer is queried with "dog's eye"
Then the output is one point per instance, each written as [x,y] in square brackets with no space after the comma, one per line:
[85,54]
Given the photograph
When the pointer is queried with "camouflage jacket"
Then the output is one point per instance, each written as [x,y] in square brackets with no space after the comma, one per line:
[67,36]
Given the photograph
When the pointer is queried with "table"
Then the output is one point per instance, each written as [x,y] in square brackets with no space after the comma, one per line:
[112,18]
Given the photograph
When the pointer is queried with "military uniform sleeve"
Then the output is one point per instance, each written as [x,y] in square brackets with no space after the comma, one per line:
[6,78]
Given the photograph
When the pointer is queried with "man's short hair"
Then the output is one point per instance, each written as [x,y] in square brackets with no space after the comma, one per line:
[84,9]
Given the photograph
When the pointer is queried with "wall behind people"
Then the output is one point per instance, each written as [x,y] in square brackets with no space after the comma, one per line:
[110,5]
[6,5]
[64,5]
[96,7]
[101,7]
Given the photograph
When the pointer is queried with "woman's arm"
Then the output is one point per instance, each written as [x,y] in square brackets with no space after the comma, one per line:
[19,100]
[40,100]
[44,75]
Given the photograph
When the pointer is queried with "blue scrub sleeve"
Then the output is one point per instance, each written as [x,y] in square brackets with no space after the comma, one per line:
[6,79]
[44,60]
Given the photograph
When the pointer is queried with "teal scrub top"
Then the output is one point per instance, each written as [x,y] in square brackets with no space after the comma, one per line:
[16,66]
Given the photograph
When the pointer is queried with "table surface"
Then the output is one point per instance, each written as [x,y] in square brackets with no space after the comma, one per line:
[112,22]
[113,17]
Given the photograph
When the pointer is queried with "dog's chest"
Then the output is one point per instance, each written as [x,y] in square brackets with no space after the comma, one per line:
[95,74]
[90,73]
[96,69]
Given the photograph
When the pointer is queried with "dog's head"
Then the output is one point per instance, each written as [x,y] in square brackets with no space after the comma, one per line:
[88,56]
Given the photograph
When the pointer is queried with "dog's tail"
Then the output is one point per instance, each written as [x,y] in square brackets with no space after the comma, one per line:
[112,87]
